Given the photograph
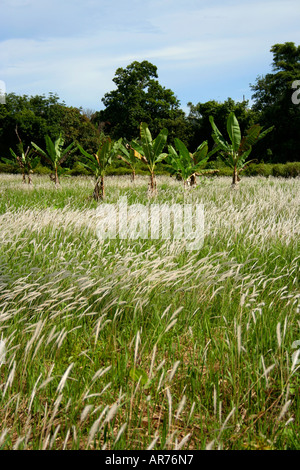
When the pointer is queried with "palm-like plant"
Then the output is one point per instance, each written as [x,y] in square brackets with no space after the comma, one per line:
[151,151]
[130,157]
[235,154]
[98,162]
[185,164]
[24,160]
[54,154]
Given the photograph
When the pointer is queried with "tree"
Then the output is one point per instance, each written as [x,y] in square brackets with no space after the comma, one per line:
[138,97]
[54,154]
[236,153]
[151,152]
[98,162]
[130,157]
[18,112]
[199,118]
[185,164]
[39,116]
[25,159]
[273,101]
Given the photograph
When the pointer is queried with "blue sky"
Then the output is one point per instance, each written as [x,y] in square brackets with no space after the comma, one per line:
[203,49]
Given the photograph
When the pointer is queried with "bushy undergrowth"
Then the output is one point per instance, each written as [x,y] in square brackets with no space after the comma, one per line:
[287,170]
[284,170]
[141,344]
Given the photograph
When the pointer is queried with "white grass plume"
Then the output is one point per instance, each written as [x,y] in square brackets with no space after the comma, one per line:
[64,378]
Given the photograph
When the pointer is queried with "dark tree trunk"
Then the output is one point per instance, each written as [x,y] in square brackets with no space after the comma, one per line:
[152,190]
[235,178]
[102,194]
[56,178]
[99,192]
[193,180]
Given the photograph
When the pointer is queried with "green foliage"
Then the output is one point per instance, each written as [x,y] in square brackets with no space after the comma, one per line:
[130,156]
[235,154]
[55,153]
[272,96]
[151,150]
[9,168]
[42,170]
[39,116]
[98,162]
[33,116]
[79,169]
[25,160]
[199,124]
[293,169]
[138,97]
[261,169]
[225,171]
[120,171]
[76,127]
[183,163]
[283,170]
[289,170]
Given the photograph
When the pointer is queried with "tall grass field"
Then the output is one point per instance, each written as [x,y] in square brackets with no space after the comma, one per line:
[142,344]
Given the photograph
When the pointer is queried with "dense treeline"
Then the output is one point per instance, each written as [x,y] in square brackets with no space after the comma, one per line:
[140,97]
[34,117]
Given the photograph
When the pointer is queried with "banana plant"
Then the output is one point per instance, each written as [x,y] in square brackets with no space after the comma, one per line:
[24,159]
[25,162]
[151,152]
[235,154]
[54,154]
[130,157]
[98,162]
[185,164]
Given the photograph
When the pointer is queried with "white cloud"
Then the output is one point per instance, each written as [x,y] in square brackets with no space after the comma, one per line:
[74,48]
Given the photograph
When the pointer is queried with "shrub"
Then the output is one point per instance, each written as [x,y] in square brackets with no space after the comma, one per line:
[283,170]
[293,169]
[78,169]
[216,164]
[279,170]
[225,171]
[260,169]
[114,171]
[6,168]
[42,170]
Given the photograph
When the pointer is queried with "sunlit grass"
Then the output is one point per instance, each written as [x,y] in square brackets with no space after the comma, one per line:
[127,344]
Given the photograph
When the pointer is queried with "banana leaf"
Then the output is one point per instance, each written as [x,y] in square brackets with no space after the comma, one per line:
[146,143]
[159,143]
[184,154]
[234,131]
[217,136]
